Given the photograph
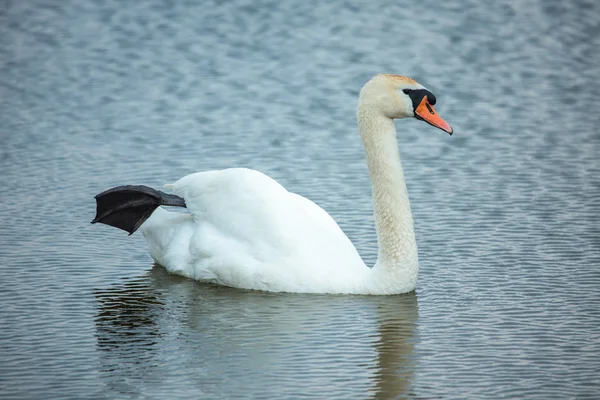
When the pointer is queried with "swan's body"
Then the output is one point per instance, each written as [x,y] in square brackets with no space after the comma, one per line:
[245,230]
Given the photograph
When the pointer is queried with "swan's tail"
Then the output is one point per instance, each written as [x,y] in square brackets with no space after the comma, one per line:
[127,207]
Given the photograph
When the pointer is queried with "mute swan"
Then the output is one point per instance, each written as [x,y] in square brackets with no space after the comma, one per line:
[247,231]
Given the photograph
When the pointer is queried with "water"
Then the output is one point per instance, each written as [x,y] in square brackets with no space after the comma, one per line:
[95,94]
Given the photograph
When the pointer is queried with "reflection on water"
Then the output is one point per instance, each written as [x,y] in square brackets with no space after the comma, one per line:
[127,323]
[395,345]
[305,341]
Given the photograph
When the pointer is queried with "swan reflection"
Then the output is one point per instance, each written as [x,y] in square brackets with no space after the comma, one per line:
[161,332]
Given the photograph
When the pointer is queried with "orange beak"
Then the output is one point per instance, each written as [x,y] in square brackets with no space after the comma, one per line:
[426,113]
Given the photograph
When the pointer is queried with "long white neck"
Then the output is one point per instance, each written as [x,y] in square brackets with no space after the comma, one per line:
[397,263]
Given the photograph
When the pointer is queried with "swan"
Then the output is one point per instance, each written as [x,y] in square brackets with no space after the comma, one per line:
[245,230]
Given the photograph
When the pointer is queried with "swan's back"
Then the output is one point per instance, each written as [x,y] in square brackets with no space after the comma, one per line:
[247,230]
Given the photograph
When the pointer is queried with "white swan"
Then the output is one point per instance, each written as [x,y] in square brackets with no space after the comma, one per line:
[247,231]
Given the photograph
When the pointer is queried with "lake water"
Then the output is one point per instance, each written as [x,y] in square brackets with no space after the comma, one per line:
[95,94]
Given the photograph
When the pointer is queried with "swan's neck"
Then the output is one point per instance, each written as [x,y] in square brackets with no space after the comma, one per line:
[397,262]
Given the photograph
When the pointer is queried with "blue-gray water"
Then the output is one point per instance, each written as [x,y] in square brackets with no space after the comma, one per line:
[95,94]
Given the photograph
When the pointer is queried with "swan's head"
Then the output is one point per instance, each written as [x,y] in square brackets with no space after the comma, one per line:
[401,97]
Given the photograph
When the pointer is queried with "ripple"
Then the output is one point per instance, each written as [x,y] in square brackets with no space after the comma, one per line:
[97,94]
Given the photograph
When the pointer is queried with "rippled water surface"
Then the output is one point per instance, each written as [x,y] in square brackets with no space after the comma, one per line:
[507,211]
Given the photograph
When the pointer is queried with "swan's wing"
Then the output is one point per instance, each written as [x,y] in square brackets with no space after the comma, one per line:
[240,203]
[245,222]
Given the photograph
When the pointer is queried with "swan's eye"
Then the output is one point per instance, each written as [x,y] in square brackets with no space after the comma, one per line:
[406,91]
